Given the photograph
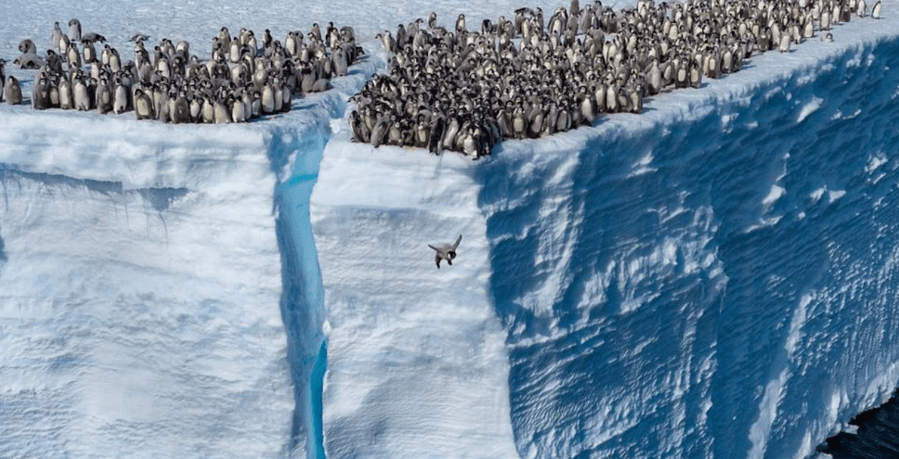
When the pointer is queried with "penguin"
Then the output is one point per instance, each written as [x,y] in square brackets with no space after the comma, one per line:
[877,10]
[63,44]
[785,41]
[379,131]
[460,24]
[238,110]
[80,95]
[341,62]
[12,91]
[435,137]
[143,106]
[93,37]
[27,46]
[120,97]
[360,130]
[519,123]
[66,98]
[445,252]
[53,92]
[395,134]
[29,61]
[74,30]
[286,98]
[2,76]
[179,109]
[695,76]
[103,97]
[160,103]
[115,62]
[315,32]
[421,132]
[268,100]
[89,52]
[40,94]
[256,104]
[56,35]
[221,113]
[636,99]
[207,112]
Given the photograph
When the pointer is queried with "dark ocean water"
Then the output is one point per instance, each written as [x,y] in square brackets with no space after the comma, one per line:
[877,436]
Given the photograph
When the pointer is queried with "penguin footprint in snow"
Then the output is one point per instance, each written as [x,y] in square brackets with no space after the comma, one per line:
[446,252]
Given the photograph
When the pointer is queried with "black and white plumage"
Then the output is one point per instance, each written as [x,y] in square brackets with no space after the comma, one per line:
[445,252]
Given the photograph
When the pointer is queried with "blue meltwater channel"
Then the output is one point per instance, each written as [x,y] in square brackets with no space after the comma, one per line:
[302,298]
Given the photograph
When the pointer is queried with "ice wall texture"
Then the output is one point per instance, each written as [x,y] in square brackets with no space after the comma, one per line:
[139,293]
[715,278]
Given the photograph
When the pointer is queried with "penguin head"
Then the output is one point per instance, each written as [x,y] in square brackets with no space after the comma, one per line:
[450,255]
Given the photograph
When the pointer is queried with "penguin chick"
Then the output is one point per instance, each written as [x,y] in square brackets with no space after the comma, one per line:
[12,92]
[446,252]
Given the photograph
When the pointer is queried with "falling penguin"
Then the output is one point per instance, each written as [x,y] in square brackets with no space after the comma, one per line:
[446,252]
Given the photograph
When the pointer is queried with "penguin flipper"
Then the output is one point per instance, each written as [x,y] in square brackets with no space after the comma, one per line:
[456,244]
[435,248]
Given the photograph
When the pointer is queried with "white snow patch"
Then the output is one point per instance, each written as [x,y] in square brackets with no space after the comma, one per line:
[809,108]
[773,195]
[761,428]
[834,195]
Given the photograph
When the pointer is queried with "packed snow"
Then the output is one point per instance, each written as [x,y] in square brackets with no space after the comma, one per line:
[712,278]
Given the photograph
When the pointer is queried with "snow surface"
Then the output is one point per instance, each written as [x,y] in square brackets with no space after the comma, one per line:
[713,278]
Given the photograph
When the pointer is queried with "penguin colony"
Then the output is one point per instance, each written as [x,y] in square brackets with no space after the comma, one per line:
[465,90]
[243,78]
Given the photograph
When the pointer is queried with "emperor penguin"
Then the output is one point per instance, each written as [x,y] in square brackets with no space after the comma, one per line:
[460,23]
[93,37]
[12,92]
[361,133]
[877,10]
[208,111]
[75,30]
[143,106]
[56,35]
[238,110]
[379,131]
[435,137]
[119,98]
[115,62]
[40,94]
[52,92]
[27,46]
[785,41]
[66,99]
[432,21]
[80,95]
[29,61]
[221,113]
[268,99]
[196,107]
[179,109]
[103,97]
[89,52]
[445,252]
